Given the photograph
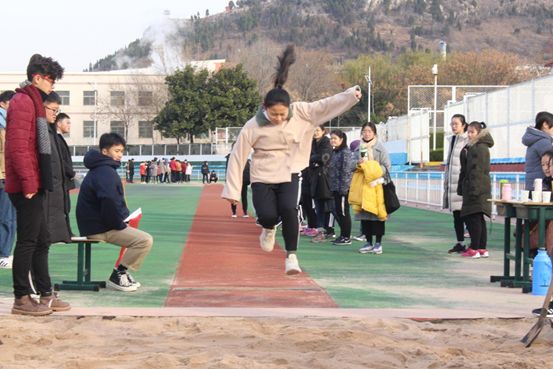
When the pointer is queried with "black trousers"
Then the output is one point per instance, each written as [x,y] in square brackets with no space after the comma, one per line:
[477,230]
[459,226]
[308,210]
[243,200]
[274,201]
[32,246]
[205,178]
[341,212]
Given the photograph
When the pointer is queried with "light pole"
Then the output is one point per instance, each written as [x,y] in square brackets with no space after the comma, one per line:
[369,83]
[435,73]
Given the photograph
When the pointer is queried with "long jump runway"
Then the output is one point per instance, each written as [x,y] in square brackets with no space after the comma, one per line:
[223,266]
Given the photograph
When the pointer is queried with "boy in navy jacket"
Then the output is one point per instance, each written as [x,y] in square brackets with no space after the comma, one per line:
[102,210]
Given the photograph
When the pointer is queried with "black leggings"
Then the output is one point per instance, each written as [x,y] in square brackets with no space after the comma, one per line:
[280,200]
[459,226]
[243,199]
[341,212]
[477,230]
[373,228]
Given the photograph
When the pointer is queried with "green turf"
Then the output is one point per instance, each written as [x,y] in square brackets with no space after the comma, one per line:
[167,215]
[415,255]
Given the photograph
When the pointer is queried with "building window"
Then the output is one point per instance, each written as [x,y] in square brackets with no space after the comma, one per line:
[145,130]
[117,98]
[89,130]
[89,98]
[145,98]
[64,95]
[117,126]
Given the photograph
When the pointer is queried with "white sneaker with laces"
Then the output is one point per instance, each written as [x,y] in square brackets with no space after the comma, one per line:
[267,239]
[6,262]
[291,265]
[377,250]
[133,281]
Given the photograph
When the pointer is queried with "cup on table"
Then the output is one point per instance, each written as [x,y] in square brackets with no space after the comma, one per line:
[536,196]
[524,195]
[546,196]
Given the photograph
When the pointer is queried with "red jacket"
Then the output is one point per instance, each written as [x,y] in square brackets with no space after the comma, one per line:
[22,173]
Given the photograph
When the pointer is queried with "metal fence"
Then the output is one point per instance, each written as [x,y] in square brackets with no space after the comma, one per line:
[507,112]
[427,188]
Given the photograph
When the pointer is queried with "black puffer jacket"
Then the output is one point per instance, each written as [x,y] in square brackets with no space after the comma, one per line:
[318,165]
[474,180]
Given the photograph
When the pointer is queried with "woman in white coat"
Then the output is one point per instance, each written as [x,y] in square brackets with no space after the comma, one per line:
[451,200]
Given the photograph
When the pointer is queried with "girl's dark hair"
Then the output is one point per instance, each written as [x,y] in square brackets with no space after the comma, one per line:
[371,125]
[548,153]
[463,120]
[478,125]
[542,117]
[39,64]
[343,136]
[278,95]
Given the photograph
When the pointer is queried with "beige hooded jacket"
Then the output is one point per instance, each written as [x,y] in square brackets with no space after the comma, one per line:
[281,150]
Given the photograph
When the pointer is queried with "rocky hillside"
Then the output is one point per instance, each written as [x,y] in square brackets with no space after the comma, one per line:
[348,28]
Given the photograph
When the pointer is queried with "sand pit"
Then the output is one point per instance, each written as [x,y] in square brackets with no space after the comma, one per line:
[96,342]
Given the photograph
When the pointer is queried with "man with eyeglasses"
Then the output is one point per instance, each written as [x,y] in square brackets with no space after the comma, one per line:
[28,178]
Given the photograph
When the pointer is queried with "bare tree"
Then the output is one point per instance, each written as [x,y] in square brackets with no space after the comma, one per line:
[139,98]
[313,76]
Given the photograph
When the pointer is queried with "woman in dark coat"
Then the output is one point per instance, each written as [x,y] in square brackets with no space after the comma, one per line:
[340,172]
[321,150]
[475,187]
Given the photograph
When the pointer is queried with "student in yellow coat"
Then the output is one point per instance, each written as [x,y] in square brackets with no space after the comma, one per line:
[373,163]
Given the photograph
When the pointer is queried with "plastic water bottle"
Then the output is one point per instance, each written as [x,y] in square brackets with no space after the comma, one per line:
[506,192]
[541,273]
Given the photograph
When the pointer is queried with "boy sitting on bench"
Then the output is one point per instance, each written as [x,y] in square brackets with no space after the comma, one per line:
[101,210]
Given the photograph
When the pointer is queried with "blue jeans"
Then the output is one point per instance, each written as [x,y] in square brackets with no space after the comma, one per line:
[7,224]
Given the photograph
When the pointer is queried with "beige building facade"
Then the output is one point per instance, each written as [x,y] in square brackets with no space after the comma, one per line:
[118,101]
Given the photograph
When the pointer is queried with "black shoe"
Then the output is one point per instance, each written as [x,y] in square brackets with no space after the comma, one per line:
[549,314]
[458,248]
[119,281]
[342,241]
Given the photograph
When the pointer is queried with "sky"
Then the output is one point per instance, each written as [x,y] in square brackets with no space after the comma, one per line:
[77,32]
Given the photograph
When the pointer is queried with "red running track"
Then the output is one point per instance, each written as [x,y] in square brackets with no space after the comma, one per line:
[223,266]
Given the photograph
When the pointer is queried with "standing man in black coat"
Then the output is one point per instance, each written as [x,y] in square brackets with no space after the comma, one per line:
[63,125]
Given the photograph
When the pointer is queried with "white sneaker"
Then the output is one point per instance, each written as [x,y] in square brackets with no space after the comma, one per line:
[245,216]
[377,249]
[367,248]
[267,239]
[291,265]
[234,215]
[6,262]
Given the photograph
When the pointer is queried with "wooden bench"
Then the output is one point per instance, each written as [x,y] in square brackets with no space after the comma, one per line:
[84,268]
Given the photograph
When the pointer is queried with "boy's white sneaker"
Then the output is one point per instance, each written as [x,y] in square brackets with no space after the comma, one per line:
[267,239]
[6,262]
[291,265]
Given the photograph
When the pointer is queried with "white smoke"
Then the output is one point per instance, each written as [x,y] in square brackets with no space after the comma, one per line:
[167,53]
